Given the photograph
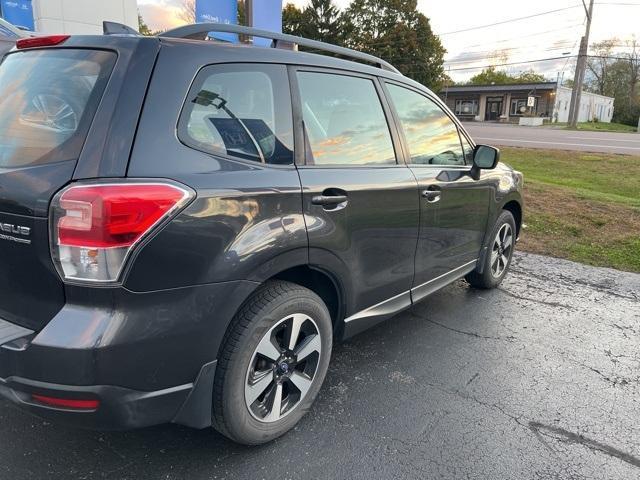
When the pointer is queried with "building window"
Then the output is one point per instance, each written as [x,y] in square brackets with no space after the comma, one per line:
[519,106]
[466,107]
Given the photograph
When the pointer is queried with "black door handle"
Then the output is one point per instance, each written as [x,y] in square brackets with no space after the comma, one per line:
[328,200]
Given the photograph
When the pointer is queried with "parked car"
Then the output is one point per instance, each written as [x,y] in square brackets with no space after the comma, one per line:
[187,226]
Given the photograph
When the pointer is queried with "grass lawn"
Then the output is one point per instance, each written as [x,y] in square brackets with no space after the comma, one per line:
[581,206]
[602,127]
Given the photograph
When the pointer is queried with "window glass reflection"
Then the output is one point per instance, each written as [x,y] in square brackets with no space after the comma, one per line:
[432,136]
[344,120]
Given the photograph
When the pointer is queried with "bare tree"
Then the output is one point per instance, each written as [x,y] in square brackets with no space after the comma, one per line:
[599,62]
[634,67]
[187,11]
[499,57]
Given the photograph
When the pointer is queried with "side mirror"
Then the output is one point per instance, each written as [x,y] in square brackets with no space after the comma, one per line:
[485,157]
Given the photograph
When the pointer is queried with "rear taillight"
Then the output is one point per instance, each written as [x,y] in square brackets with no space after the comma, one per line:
[35,42]
[96,227]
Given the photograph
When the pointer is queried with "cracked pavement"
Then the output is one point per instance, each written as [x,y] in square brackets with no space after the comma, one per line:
[539,379]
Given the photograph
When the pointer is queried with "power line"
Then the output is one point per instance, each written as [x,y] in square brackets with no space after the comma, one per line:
[540,60]
[538,34]
[480,55]
[548,12]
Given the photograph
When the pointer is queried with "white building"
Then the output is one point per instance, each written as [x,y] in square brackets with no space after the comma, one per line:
[592,106]
[82,17]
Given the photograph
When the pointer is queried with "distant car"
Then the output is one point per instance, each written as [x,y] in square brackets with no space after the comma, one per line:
[186,226]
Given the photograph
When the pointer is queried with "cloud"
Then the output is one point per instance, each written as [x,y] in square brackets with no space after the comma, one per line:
[161,15]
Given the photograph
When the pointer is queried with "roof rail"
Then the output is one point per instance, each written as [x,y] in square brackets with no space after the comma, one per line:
[200,31]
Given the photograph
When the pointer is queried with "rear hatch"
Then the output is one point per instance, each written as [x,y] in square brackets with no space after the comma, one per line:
[51,101]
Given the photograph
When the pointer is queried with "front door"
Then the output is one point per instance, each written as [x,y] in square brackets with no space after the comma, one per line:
[494,108]
[454,206]
[360,204]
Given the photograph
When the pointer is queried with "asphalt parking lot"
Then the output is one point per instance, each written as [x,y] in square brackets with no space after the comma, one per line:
[554,138]
[538,379]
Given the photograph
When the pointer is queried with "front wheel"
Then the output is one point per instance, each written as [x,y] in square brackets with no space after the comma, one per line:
[274,360]
[500,252]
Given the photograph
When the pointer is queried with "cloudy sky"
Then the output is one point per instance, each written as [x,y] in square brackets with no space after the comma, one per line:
[554,34]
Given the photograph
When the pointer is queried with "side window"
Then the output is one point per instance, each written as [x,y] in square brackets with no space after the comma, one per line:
[467,149]
[431,135]
[242,111]
[344,120]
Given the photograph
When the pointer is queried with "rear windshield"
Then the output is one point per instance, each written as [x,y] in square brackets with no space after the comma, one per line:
[47,101]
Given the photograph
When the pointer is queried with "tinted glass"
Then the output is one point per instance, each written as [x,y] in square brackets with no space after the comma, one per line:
[344,120]
[432,136]
[242,111]
[47,102]
[467,149]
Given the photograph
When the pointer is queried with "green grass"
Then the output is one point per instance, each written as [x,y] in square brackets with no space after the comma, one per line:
[602,127]
[584,207]
[592,176]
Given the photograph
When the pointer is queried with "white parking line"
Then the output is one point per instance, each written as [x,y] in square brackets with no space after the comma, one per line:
[608,139]
[552,144]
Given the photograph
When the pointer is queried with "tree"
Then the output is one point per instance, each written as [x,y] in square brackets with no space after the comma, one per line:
[598,65]
[293,21]
[187,11]
[242,15]
[323,21]
[143,28]
[395,31]
[491,76]
[530,76]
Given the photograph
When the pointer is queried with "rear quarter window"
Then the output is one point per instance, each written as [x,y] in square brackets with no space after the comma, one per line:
[48,99]
[240,111]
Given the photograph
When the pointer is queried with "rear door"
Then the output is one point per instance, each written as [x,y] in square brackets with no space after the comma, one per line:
[454,204]
[360,202]
[48,101]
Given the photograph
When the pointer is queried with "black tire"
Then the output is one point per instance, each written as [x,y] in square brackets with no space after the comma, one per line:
[490,278]
[264,311]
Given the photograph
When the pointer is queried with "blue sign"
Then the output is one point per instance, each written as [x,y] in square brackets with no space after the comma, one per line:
[267,15]
[218,11]
[18,12]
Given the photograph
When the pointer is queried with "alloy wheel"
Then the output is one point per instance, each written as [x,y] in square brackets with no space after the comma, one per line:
[283,367]
[501,250]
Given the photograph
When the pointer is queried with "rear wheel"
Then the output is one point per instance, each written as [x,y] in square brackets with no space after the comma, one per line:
[274,360]
[500,252]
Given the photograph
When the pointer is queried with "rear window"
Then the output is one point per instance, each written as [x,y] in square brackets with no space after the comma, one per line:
[48,99]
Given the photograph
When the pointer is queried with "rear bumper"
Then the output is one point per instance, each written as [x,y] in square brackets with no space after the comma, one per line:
[146,358]
[118,408]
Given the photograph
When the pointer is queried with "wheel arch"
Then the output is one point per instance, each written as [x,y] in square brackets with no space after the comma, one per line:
[515,208]
[322,283]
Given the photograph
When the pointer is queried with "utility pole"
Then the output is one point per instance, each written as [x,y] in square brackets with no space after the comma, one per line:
[578,80]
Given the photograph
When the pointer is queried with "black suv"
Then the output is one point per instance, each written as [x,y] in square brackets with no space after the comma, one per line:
[186,226]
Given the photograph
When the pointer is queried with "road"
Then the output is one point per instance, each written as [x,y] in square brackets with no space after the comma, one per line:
[554,138]
[538,379]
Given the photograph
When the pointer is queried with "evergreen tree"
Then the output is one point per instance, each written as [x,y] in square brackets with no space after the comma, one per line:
[143,28]
[323,22]
[395,31]
[293,20]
